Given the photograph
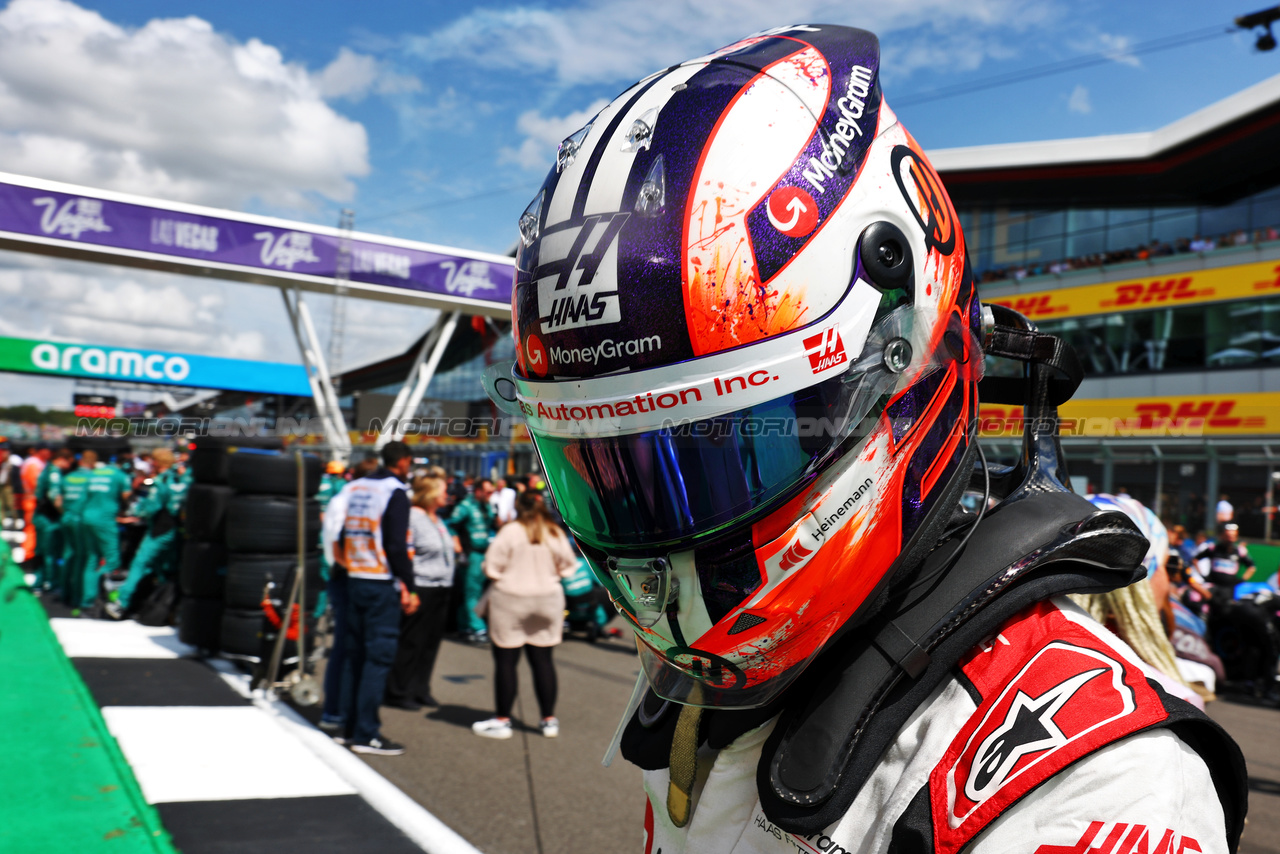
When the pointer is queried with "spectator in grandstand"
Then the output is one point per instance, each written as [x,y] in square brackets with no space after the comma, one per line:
[9,463]
[75,490]
[108,488]
[526,562]
[161,510]
[1225,510]
[374,545]
[335,513]
[472,521]
[409,685]
[48,521]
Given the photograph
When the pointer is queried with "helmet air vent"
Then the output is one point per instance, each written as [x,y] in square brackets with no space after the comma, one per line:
[568,149]
[531,219]
[640,134]
[652,199]
[744,622]
[886,257]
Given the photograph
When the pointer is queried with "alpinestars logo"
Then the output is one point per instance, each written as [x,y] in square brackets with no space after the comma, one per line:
[826,349]
[1027,728]
[795,553]
[569,296]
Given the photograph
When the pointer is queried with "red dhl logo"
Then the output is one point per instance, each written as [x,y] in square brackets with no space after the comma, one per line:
[1270,285]
[1032,307]
[1214,414]
[1186,418]
[1155,292]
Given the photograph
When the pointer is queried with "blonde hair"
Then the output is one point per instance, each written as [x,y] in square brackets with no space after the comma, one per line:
[425,489]
[1132,611]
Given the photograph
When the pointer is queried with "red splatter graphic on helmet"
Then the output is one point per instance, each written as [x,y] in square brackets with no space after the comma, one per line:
[726,304]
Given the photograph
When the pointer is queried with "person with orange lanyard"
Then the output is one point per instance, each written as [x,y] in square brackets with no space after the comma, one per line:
[30,473]
[374,545]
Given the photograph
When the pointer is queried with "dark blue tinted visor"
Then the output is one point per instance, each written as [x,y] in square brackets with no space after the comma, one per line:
[670,484]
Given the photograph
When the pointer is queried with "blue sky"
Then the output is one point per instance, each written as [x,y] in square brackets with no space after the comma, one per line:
[437,121]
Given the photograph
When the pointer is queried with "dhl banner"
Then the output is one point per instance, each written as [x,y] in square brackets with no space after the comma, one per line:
[1242,281]
[1150,417]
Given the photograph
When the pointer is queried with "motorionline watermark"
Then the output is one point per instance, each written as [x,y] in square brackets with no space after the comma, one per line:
[715,428]
[291,428]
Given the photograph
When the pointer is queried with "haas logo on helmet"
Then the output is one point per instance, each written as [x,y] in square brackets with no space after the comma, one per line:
[792,211]
[826,349]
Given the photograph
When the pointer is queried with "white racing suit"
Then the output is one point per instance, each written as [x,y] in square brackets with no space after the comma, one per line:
[1049,737]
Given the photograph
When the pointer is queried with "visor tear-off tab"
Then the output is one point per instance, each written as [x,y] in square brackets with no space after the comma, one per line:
[683,767]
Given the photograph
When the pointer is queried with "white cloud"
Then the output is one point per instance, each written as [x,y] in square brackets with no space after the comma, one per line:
[1116,48]
[543,133]
[1078,101]
[352,75]
[172,109]
[598,41]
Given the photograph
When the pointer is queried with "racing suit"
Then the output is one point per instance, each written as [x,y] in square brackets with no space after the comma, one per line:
[75,490]
[158,551]
[48,494]
[99,531]
[1050,737]
[474,522]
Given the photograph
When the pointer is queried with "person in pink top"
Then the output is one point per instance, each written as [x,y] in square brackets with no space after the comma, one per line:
[525,563]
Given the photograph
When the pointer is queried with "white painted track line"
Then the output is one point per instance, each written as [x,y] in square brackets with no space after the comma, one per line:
[103,639]
[217,753]
[433,835]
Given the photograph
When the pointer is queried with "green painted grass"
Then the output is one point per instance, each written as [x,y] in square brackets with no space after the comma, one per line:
[65,785]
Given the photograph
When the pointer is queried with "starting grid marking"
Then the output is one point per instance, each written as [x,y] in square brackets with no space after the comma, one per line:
[218,753]
[212,754]
[100,639]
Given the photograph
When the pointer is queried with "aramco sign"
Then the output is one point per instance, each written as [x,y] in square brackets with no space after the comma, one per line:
[94,361]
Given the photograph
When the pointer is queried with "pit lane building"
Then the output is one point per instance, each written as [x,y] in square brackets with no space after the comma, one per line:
[1156,255]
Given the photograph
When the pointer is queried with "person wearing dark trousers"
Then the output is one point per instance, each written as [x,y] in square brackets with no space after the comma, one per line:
[374,546]
[335,514]
[409,686]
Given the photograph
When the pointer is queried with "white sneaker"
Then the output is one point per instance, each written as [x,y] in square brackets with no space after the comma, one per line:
[492,728]
[550,727]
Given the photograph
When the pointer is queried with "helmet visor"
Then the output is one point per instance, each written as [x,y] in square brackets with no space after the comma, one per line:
[666,485]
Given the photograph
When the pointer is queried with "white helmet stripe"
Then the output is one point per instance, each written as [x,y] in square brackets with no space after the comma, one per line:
[713,385]
[610,179]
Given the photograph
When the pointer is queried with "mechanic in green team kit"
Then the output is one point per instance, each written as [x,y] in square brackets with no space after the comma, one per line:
[48,515]
[161,509]
[99,530]
[75,489]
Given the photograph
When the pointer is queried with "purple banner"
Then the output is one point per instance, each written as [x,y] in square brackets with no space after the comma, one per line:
[283,250]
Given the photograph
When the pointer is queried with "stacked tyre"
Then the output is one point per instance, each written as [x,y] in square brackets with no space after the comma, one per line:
[203,568]
[261,537]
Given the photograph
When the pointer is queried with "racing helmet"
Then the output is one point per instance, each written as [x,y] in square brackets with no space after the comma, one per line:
[747,354]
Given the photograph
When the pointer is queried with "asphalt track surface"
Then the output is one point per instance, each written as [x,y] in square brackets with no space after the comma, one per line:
[527,794]
[533,795]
